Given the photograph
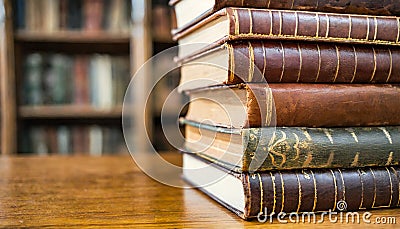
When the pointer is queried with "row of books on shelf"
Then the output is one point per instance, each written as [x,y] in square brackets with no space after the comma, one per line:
[97,80]
[92,140]
[85,15]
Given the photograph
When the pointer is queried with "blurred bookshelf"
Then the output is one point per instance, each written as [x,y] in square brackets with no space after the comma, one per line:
[68,65]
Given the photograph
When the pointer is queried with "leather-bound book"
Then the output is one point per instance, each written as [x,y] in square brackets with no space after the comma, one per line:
[244,23]
[296,105]
[290,62]
[187,14]
[285,148]
[297,191]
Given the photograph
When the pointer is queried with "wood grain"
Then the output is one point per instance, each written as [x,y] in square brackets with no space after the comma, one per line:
[109,192]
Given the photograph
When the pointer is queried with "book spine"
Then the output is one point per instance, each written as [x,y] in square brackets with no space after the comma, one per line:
[320,190]
[64,140]
[322,105]
[38,141]
[51,137]
[74,14]
[33,70]
[93,15]
[95,141]
[81,85]
[19,6]
[371,7]
[312,63]
[313,26]
[79,139]
[105,82]
[51,13]
[63,18]
[301,147]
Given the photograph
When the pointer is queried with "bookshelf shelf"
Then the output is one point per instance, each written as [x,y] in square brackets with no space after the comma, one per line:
[103,37]
[68,111]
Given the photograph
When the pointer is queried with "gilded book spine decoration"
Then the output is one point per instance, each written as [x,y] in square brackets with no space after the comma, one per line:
[320,190]
[298,25]
[294,62]
[391,7]
[296,147]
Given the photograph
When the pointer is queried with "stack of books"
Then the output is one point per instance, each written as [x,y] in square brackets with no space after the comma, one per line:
[302,113]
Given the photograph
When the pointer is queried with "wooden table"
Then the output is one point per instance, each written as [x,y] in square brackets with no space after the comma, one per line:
[109,191]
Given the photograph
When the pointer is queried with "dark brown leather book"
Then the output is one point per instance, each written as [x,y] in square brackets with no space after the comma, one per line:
[188,14]
[291,62]
[284,148]
[306,105]
[241,23]
[296,191]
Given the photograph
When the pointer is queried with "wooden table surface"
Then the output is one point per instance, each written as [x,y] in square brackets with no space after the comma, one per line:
[110,191]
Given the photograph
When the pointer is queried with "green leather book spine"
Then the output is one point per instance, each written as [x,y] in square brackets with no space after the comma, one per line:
[296,147]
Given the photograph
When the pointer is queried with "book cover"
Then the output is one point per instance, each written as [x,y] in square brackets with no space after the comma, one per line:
[371,7]
[243,23]
[290,62]
[295,191]
[296,105]
[286,148]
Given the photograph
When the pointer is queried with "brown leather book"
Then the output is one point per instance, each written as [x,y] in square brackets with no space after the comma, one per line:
[241,23]
[295,191]
[297,105]
[291,62]
[188,14]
